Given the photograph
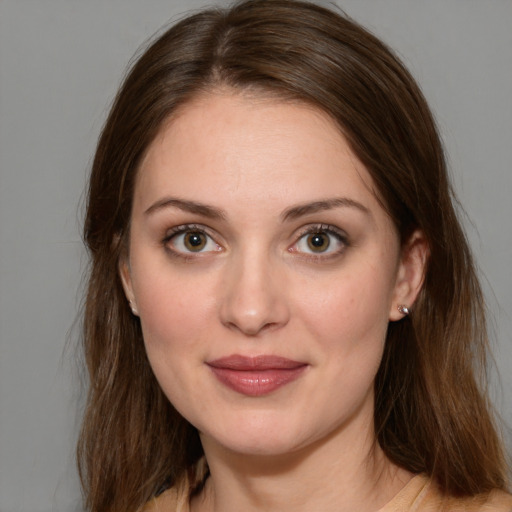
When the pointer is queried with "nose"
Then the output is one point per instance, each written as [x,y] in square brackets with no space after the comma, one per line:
[254,296]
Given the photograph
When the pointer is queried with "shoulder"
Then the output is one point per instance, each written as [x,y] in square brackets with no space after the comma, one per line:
[499,500]
[177,497]
[422,495]
[495,501]
[168,501]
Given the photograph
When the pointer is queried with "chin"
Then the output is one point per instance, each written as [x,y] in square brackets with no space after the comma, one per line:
[260,437]
[258,447]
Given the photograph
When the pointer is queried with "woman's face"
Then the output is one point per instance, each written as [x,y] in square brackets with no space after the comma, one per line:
[264,272]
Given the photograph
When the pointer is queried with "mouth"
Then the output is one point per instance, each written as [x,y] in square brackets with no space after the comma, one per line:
[256,376]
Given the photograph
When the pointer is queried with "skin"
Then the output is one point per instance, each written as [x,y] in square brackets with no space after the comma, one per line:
[257,287]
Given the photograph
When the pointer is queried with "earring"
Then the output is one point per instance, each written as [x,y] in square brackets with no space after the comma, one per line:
[403,309]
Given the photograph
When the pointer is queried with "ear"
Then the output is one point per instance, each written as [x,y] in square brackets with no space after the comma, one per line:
[410,275]
[126,280]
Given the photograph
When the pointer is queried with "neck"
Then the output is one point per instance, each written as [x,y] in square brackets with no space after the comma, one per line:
[344,472]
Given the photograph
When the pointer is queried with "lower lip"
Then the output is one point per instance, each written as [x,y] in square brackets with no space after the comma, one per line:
[257,382]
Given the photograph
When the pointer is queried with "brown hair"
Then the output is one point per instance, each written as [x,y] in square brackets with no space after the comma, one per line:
[431,413]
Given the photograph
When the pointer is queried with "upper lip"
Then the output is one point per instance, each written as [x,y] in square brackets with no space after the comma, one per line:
[261,362]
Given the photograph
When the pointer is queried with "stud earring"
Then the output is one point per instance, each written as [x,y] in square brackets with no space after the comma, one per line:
[403,309]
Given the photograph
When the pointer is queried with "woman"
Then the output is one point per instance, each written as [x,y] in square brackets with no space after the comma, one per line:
[282,312]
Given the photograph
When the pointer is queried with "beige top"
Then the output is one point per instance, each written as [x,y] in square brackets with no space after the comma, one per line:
[419,495]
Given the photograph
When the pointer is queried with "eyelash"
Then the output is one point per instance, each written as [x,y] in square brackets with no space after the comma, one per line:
[174,232]
[324,229]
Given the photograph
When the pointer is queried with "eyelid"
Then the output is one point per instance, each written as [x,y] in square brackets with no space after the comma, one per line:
[322,228]
[175,231]
[329,229]
[339,234]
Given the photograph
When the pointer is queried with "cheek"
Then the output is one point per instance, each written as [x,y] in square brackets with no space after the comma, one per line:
[350,304]
[174,309]
[175,318]
[349,312]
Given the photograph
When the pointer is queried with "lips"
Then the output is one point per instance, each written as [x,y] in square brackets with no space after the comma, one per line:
[256,376]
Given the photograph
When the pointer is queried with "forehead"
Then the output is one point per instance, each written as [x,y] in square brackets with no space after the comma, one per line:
[227,147]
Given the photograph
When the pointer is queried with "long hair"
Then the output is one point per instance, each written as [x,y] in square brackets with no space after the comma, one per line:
[431,411]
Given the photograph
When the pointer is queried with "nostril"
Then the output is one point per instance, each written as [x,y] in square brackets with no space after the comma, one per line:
[252,303]
[252,330]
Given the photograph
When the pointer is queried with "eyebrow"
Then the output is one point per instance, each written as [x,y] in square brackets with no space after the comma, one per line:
[291,213]
[317,206]
[187,206]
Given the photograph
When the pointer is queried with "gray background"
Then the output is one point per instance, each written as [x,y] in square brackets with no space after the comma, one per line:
[60,64]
